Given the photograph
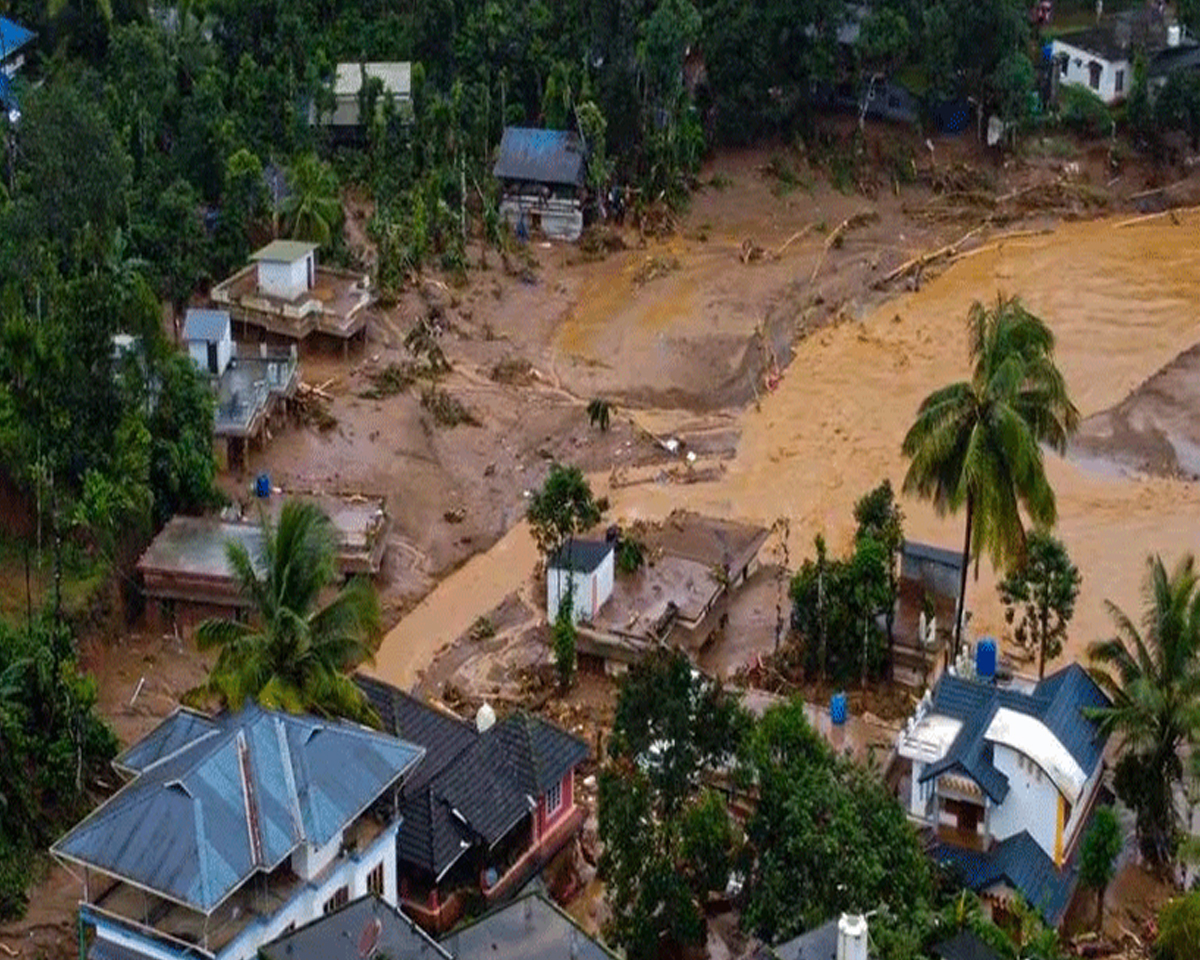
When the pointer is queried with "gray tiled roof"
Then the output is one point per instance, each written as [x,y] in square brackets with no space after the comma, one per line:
[183,827]
[1059,701]
[486,779]
[337,936]
[206,325]
[529,928]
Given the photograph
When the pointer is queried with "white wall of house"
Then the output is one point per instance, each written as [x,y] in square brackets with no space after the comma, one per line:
[1030,804]
[286,280]
[921,794]
[591,590]
[198,351]
[1109,80]
[351,871]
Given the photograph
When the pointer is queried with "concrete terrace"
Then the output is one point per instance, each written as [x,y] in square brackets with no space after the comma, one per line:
[250,388]
[335,305]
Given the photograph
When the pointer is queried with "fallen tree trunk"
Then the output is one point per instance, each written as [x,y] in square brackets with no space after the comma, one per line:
[926,258]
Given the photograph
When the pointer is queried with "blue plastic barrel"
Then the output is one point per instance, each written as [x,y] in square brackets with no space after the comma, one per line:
[262,485]
[985,659]
[837,708]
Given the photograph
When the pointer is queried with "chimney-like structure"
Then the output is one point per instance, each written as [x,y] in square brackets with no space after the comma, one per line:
[852,937]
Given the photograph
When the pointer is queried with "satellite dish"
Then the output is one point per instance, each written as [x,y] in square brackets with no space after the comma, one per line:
[14,115]
[369,939]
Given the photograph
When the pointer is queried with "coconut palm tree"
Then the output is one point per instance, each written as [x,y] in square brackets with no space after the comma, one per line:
[1152,675]
[312,210]
[295,653]
[977,444]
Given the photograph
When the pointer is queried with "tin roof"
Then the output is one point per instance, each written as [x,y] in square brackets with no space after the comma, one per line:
[540,156]
[284,251]
[342,934]
[206,325]
[531,928]
[235,797]
[13,37]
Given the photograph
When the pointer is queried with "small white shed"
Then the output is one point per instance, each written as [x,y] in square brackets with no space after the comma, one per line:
[209,339]
[584,568]
[286,268]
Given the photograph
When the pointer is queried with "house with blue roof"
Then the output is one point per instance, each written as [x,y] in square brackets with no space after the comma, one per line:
[233,830]
[14,38]
[1006,777]
[542,175]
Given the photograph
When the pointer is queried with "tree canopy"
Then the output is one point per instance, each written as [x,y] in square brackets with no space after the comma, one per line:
[562,508]
[1152,675]
[976,445]
[1043,589]
[297,651]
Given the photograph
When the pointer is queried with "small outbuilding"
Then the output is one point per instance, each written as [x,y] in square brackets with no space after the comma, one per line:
[395,80]
[208,335]
[542,175]
[583,569]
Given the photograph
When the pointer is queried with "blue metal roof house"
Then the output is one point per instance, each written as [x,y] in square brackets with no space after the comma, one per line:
[542,174]
[1007,778]
[14,38]
[234,829]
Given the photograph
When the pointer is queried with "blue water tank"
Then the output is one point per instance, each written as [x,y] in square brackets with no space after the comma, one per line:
[985,659]
[837,708]
[262,485]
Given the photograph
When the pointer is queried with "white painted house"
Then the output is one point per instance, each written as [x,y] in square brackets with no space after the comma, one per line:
[1006,777]
[286,268]
[348,80]
[208,335]
[235,829]
[1090,60]
[583,568]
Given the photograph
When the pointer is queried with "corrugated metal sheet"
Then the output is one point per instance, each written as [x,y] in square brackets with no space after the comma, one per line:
[173,734]
[13,37]
[337,936]
[530,928]
[540,156]
[206,325]
[183,827]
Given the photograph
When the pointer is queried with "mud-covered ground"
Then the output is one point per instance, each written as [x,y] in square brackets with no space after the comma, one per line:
[692,339]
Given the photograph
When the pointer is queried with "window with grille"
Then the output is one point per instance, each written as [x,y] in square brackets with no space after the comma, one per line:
[341,897]
[553,799]
[375,880]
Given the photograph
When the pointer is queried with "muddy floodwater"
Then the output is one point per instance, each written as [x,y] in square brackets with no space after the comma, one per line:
[1124,303]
